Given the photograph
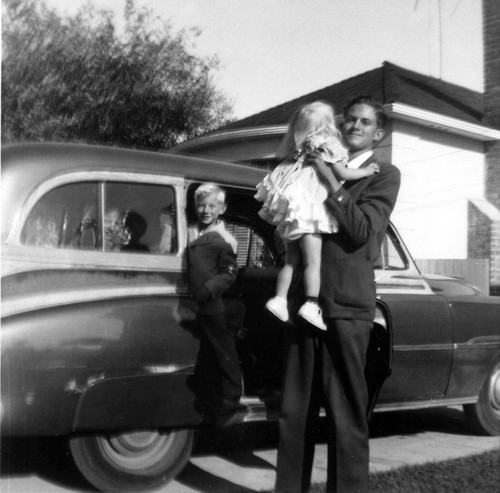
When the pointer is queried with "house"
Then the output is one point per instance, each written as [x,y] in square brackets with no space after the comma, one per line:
[444,138]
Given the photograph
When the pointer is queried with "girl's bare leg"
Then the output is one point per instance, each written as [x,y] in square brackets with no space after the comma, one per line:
[311,255]
[311,259]
[293,259]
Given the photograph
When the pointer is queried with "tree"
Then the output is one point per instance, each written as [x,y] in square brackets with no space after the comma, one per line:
[75,79]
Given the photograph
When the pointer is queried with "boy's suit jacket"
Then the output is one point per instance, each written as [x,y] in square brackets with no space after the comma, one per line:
[211,264]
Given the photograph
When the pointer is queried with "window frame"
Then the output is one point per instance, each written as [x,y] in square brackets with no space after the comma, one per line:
[92,259]
[389,236]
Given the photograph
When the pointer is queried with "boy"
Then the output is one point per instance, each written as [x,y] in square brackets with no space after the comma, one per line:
[212,270]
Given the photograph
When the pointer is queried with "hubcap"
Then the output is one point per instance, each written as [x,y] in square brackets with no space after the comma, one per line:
[136,451]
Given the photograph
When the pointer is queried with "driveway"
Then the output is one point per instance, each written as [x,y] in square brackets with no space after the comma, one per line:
[243,459]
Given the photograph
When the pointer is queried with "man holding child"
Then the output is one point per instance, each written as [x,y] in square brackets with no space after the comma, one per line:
[327,367]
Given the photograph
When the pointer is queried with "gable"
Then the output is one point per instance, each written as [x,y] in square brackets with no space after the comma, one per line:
[387,84]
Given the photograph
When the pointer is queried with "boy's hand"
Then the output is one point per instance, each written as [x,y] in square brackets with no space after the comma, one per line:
[203,295]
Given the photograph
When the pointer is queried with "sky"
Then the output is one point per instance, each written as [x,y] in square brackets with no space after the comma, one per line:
[272,51]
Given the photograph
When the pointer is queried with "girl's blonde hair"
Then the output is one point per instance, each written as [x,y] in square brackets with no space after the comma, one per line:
[311,119]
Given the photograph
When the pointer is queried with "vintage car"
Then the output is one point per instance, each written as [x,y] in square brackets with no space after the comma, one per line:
[99,334]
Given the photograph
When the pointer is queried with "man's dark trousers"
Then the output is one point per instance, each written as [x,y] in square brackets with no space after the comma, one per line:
[325,368]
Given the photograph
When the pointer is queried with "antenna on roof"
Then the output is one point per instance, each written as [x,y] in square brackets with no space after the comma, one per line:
[440,41]
[415,7]
[440,20]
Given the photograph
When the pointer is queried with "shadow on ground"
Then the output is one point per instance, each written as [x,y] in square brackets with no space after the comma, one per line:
[439,419]
[50,460]
[47,458]
[262,436]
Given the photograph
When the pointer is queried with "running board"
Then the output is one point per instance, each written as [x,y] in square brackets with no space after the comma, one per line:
[264,410]
[268,409]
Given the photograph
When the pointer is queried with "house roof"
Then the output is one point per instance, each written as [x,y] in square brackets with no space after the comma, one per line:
[388,84]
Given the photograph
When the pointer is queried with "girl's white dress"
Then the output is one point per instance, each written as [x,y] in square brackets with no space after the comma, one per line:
[293,195]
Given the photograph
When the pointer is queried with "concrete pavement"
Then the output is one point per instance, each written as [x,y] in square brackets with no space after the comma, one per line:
[243,459]
[397,439]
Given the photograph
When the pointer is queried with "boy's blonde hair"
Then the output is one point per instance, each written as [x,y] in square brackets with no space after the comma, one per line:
[208,189]
[311,119]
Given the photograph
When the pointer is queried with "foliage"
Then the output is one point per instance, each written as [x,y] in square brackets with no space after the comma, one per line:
[73,78]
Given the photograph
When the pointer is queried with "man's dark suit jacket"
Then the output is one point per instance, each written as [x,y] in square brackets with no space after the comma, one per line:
[362,208]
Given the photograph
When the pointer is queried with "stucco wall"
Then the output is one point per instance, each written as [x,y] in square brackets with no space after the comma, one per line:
[441,172]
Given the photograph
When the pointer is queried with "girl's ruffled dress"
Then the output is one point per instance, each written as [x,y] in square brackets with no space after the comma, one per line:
[293,195]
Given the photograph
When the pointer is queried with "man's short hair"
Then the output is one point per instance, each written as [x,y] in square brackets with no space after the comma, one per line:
[380,114]
[208,189]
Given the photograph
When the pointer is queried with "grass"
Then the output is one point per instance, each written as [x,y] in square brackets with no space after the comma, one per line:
[474,474]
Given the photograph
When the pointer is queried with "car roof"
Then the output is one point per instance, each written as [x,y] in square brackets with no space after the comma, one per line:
[43,160]
[25,166]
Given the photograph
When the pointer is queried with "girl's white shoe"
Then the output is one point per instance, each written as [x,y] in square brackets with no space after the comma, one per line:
[311,312]
[279,308]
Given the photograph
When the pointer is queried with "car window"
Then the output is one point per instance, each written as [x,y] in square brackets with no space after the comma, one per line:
[139,218]
[135,218]
[391,255]
[260,256]
[66,217]
[252,249]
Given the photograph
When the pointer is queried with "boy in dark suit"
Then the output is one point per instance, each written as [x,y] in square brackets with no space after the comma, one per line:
[328,368]
[212,270]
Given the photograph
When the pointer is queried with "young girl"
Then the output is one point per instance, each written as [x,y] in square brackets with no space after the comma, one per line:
[293,197]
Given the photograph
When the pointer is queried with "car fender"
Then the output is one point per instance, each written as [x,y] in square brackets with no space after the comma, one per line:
[52,358]
[153,401]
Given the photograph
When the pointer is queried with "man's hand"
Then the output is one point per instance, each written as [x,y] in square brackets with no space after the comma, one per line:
[325,174]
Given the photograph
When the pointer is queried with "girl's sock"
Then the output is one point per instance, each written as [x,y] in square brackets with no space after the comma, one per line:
[312,299]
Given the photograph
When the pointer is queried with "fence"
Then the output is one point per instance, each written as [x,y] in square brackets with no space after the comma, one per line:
[474,271]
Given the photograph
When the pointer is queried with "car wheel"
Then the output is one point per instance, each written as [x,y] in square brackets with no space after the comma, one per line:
[484,415]
[138,461]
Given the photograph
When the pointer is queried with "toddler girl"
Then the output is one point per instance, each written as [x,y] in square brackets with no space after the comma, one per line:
[293,196]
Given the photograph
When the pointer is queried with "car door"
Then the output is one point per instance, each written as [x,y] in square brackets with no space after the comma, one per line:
[90,295]
[422,330]
[260,257]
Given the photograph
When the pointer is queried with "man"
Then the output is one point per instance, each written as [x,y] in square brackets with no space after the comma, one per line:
[327,368]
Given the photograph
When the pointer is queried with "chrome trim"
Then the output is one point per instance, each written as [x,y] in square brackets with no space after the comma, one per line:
[62,298]
[399,282]
[163,369]
[480,341]
[17,259]
[423,347]
[258,410]
[402,288]
[486,341]
[382,408]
